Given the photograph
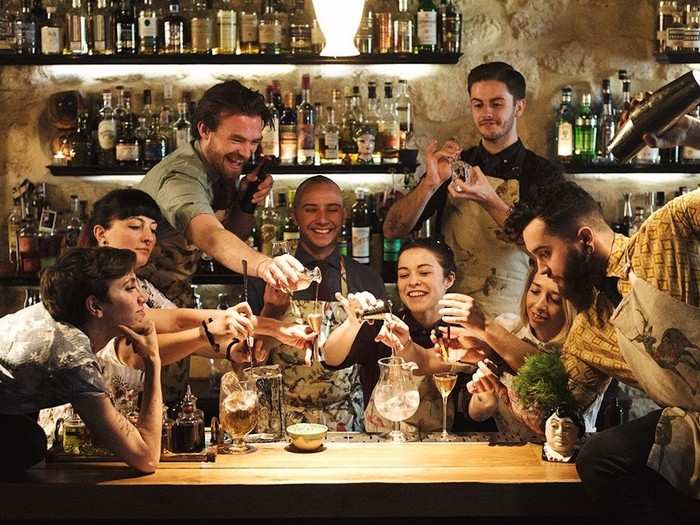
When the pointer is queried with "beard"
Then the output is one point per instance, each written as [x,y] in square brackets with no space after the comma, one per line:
[579,279]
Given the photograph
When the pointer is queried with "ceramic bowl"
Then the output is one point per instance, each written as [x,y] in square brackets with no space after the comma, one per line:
[307,436]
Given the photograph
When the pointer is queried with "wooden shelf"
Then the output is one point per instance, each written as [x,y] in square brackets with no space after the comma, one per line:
[678,58]
[50,60]
[631,168]
[100,171]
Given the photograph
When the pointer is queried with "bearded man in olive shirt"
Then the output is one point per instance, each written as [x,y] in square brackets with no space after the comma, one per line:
[470,216]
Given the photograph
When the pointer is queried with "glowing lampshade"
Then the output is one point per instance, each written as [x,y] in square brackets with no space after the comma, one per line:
[339,20]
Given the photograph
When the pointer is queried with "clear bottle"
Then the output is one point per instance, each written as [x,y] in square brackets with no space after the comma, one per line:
[82,151]
[27,30]
[426,27]
[564,128]
[14,222]
[156,145]
[318,131]
[8,41]
[76,29]
[142,130]
[126,30]
[306,121]
[290,230]
[106,131]
[202,28]
[167,116]
[269,221]
[149,23]
[607,125]
[249,42]
[299,30]
[270,30]
[403,30]
[51,34]
[361,227]
[128,147]
[101,29]
[174,30]
[330,140]
[74,224]
[282,16]
[372,117]
[585,131]
[317,38]
[389,128]
[364,39]
[384,21]
[120,112]
[270,144]
[451,28]
[227,29]
[288,132]
[404,108]
[182,127]
[166,444]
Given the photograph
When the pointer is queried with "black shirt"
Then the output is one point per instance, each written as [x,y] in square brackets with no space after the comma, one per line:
[514,162]
[360,278]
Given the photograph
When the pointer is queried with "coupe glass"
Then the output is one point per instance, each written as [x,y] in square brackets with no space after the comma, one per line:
[238,411]
[444,382]
[396,395]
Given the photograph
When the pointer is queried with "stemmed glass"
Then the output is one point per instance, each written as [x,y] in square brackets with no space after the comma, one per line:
[444,382]
[396,395]
[238,411]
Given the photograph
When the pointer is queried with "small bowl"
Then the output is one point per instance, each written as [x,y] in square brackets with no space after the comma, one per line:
[307,436]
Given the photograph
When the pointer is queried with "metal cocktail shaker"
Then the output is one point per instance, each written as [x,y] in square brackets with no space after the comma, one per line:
[656,114]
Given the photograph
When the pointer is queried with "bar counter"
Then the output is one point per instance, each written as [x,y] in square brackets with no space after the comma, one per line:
[345,479]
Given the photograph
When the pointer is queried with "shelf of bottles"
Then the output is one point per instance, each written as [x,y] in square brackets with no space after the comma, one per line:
[219,32]
[661,167]
[678,32]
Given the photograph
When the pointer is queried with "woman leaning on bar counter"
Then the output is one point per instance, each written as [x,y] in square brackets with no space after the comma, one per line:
[47,358]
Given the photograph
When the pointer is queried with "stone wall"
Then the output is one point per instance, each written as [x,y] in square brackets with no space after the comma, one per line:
[553,43]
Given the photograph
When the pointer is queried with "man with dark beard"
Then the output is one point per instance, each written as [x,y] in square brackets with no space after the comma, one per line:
[639,322]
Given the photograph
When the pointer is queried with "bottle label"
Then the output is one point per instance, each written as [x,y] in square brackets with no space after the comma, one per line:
[107,133]
[249,27]
[305,137]
[300,37]
[270,34]
[126,36]
[360,244]
[127,152]
[330,142]
[691,38]
[288,145]
[148,27]
[226,21]
[271,140]
[51,40]
[201,34]
[390,140]
[675,36]
[691,153]
[182,137]
[427,28]
[98,32]
[565,140]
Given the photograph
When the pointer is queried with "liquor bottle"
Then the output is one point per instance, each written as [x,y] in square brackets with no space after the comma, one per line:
[281,210]
[120,113]
[106,131]
[82,151]
[270,30]
[692,155]
[188,431]
[608,124]
[201,28]
[182,127]
[8,42]
[390,247]
[318,131]
[403,30]
[141,132]
[364,39]
[675,31]
[564,128]
[450,28]
[691,41]
[167,116]
[288,132]
[268,225]
[404,108]
[28,246]
[148,29]
[375,235]
[585,130]
[344,238]
[51,34]
[290,230]
[627,216]
[249,42]
[155,147]
[76,29]
[372,117]
[270,144]
[126,29]
[426,23]
[329,145]
[128,148]
[101,29]
[389,128]
[306,120]
[14,223]
[361,227]
[384,21]
[666,11]
[348,125]
[27,31]
[282,16]
[317,38]
[174,29]
[299,30]
[227,29]
[74,223]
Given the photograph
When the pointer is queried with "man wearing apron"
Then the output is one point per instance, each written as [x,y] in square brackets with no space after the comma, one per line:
[639,322]
[314,393]
[490,268]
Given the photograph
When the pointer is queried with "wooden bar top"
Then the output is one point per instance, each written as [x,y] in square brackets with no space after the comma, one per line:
[348,480]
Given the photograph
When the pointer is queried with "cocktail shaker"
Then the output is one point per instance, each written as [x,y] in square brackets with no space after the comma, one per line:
[656,114]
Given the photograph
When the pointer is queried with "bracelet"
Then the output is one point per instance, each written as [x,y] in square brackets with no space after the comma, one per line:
[210,338]
[229,347]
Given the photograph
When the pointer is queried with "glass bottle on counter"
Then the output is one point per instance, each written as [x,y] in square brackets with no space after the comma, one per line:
[403,30]
[288,132]
[282,16]
[201,28]
[426,33]
[8,42]
[182,126]
[106,131]
[270,144]
[126,29]
[155,147]
[249,38]
[174,30]
[306,120]
[148,29]
[317,38]
[27,31]
[101,29]
[227,29]
[290,230]
[384,21]
[299,30]
[188,431]
[666,12]
[82,153]
[75,434]
[564,128]
[627,216]
[329,146]
[372,116]
[360,227]
[51,34]
[270,30]
[585,131]
[450,28]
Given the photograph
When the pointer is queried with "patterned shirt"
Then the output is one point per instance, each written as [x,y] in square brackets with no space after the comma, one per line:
[44,363]
[665,252]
